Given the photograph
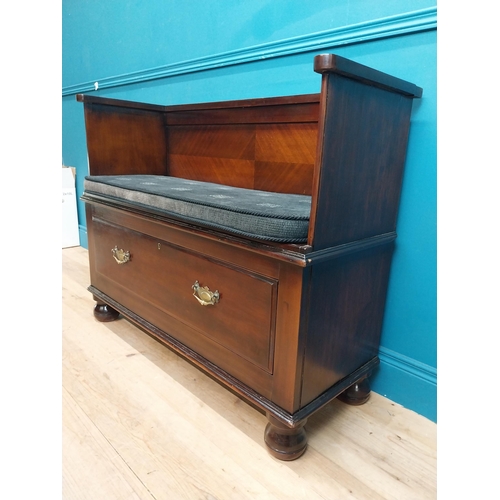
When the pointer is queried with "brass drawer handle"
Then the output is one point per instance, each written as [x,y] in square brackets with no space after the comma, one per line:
[204,296]
[120,255]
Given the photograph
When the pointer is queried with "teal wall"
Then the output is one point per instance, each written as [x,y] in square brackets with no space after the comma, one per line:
[174,51]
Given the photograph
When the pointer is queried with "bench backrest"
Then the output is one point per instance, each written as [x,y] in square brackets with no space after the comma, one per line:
[265,144]
[345,146]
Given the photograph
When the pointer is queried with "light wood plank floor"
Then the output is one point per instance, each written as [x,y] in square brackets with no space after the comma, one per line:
[141,423]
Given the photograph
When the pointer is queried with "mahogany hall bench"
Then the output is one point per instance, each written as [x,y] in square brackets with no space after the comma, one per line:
[254,237]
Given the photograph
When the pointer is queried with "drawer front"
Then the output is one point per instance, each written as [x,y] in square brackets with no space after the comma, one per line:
[240,326]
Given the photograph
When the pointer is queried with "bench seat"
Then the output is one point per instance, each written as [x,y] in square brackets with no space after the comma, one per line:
[262,215]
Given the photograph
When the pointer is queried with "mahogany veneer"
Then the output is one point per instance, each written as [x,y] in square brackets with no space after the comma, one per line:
[294,325]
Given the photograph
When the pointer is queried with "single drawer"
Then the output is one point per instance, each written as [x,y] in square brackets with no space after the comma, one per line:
[158,281]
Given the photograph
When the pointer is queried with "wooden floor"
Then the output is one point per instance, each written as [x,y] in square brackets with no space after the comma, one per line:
[141,423]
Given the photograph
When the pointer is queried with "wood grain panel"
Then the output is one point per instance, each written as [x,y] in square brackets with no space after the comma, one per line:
[215,141]
[227,171]
[345,320]
[288,143]
[125,141]
[363,155]
[294,178]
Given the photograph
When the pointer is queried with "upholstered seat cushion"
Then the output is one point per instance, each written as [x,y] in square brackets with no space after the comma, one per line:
[257,214]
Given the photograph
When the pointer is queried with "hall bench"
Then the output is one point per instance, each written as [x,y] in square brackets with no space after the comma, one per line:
[254,237]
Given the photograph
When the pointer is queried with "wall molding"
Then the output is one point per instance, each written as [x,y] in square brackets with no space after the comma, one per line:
[409,382]
[412,367]
[401,24]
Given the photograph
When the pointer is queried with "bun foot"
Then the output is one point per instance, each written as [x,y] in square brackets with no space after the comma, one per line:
[285,443]
[104,313]
[357,394]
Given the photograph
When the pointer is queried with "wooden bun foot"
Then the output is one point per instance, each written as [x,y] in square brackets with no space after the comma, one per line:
[357,394]
[283,442]
[103,312]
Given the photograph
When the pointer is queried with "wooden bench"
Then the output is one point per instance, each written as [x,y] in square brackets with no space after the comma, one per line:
[287,325]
